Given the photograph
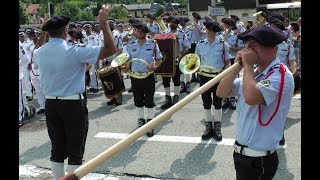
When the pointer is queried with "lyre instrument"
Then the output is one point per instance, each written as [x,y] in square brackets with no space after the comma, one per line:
[189,63]
[122,61]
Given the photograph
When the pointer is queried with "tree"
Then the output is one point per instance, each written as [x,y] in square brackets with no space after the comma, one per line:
[75,10]
[118,12]
[23,16]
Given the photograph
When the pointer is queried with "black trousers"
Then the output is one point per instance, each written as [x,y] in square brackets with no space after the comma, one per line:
[67,123]
[254,168]
[206,96]
[143,91]
[175,78]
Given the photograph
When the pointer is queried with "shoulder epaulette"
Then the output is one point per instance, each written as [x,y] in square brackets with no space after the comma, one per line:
[201,41]
[81,45]
[131,42]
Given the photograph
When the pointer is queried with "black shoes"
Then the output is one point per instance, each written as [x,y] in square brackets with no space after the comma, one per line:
[29,98]
[119,100]
[141,122]
[150,133]
[168,102]
[175,99]
[188,90]
[283,141]
[208,133]
[183,87]
[229,103]
[217,131]
[112,101]
[93,90]
[41,111]
[130,90]
[225,103]
[232,103]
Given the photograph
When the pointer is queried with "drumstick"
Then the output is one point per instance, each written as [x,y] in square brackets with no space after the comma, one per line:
[113,150]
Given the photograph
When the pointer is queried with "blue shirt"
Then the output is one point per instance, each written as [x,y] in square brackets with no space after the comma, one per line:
[147,52]
[62,67]
[249,132]
[285,53]
[212,54]
[234,41]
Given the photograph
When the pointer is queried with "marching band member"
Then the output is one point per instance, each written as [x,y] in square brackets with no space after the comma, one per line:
[62,81]
[143,89]
[29,46]
[183,50]
[23,61]
[119,49]
[197,31]
[239,26]
[213,53]
[91,39]
[265,95]
[154,27]
[185,78]
[130,37]
[231,38]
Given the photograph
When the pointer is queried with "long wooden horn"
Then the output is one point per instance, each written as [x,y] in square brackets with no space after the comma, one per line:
[113,150]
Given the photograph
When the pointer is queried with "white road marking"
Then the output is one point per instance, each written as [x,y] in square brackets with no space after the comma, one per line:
[171,94]
[175,139]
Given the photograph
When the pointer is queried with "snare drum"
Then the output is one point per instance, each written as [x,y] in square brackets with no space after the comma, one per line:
[111,80]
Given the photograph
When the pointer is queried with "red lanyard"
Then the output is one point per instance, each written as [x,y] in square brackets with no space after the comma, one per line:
[282,71]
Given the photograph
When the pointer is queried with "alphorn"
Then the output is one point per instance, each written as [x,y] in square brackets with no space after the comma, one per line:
[118,147]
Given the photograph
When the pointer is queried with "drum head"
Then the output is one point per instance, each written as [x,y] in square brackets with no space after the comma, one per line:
[105,70]
[119,60]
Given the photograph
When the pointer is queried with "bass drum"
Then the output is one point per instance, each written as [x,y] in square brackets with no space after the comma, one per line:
[169,46]
[111,80]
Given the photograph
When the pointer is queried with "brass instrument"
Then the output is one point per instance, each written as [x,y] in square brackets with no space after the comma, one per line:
[131,31]
[159,20]
[122,61]
[149,36]
[189,63]
[260,18]
[209,71]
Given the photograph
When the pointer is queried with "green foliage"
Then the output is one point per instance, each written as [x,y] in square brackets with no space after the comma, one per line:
[23,17]
[75,10]
[118,13]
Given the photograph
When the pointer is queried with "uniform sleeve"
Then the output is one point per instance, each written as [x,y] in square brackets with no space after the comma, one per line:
[292,56]
[270,87]
[240,43]
[186,42]
[236,86]
[158,53]
[197,51]
[23,55]
[35,57]
[87,54]
[227,55]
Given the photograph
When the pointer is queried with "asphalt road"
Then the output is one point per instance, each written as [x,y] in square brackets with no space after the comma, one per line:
[175,152]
